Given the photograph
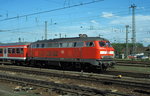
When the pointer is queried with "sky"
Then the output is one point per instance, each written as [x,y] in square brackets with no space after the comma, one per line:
[104,18]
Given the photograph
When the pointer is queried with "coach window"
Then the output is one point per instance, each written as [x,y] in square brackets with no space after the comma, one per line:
[10,50]
[79,44]
[89,44]
[21,50]
[13,50]
[4,51]
[1,50]
[18,50]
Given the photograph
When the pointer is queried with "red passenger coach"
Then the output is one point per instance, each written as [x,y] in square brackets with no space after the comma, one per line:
[83,52]
[14,52]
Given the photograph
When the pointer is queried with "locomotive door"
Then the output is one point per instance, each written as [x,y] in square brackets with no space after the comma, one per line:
[78,50]
[5,52]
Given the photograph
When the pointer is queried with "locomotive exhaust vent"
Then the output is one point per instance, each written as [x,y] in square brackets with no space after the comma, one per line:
[83,35]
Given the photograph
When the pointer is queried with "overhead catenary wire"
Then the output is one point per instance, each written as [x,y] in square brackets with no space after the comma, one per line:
[96,16]
[82,18]
[42,12]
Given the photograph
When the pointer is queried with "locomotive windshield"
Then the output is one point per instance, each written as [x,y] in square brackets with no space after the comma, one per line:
[108,44]
[104,44]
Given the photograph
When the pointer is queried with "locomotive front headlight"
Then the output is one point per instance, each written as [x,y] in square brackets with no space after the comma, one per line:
[103,52]
[111,52]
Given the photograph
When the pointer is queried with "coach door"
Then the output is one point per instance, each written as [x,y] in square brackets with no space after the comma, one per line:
[5,52]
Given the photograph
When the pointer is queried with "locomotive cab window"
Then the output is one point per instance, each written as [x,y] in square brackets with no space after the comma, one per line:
[89,44]
[102,44]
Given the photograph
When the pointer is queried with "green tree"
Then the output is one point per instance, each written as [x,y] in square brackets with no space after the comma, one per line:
[120,47]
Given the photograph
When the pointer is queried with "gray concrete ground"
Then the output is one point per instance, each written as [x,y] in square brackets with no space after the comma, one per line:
[7,89]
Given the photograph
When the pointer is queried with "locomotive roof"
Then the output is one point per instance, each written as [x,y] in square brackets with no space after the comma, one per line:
[72,39]
[17,43]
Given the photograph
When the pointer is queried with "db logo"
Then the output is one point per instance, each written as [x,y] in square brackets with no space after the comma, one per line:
[62,52]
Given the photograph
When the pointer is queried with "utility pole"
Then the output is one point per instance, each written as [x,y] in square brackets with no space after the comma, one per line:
[45,30]
[127,31]
[59,35]
[19,39]
[65,36]
[133,29]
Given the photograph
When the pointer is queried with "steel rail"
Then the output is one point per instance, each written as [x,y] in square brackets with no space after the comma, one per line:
[101,78]
[128,74]
[133,62]
[62,87]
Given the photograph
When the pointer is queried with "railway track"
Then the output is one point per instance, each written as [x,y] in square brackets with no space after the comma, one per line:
[101,78]
[67,88]
[128,74]
[133,63]
[83,91]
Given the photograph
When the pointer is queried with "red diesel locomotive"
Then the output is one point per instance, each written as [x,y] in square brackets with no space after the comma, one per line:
[79,52]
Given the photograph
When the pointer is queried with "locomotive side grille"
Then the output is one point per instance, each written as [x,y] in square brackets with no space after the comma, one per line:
[107,57]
